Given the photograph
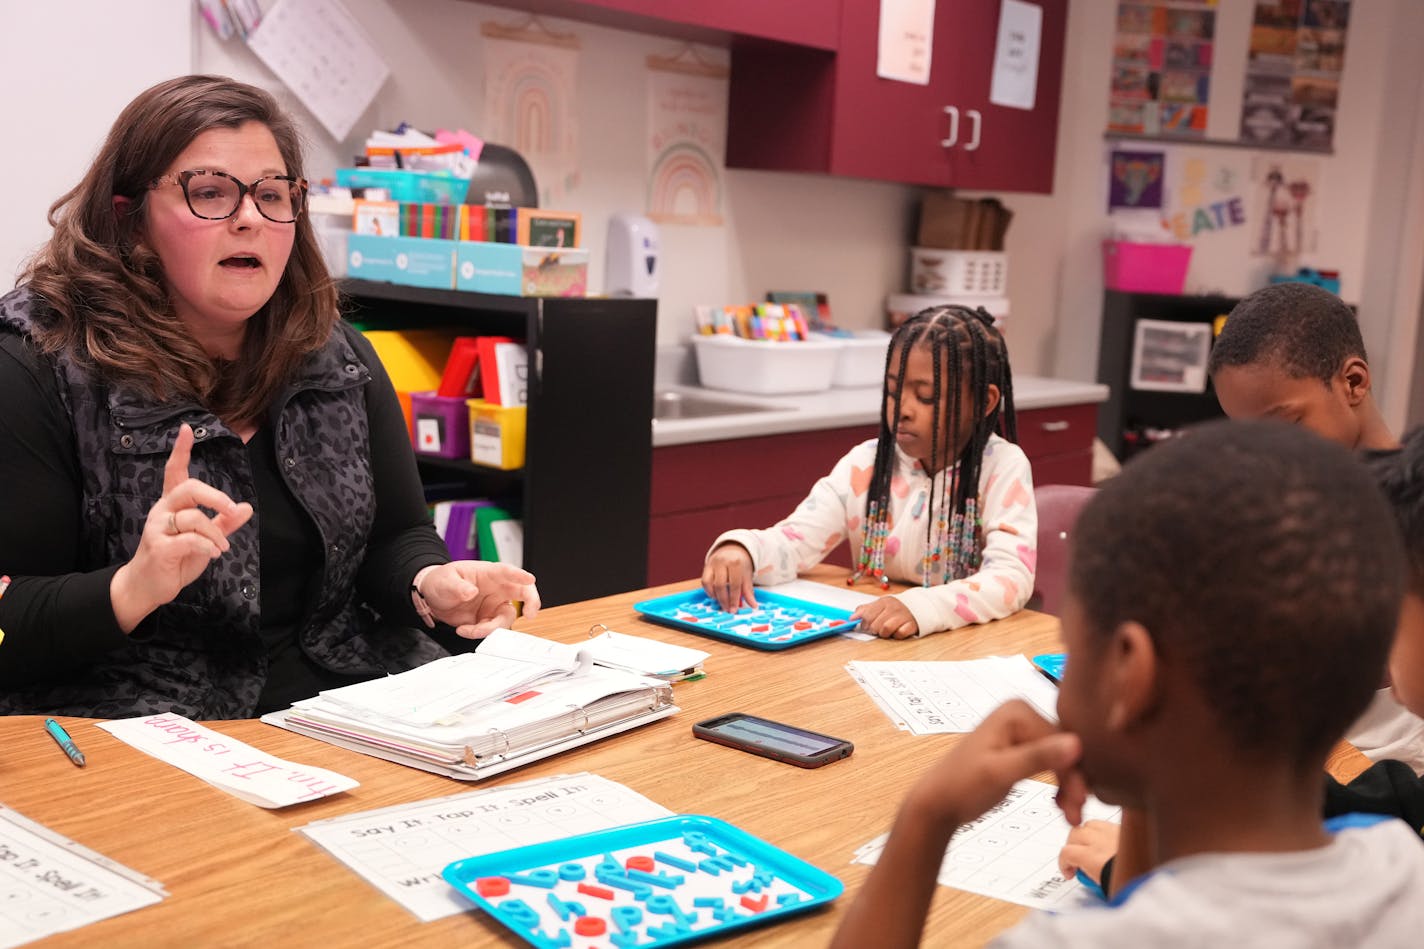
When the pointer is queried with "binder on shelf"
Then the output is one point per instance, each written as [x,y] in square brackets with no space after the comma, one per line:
[504,370]
[461,378]
[517,700]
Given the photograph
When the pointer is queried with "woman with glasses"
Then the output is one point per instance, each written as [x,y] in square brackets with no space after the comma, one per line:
[210,504]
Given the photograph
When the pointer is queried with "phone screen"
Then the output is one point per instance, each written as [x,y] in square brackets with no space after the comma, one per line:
[759,731]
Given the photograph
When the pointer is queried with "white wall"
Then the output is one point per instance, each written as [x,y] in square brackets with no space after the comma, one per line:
[67,67]
[847,238]
[843,236]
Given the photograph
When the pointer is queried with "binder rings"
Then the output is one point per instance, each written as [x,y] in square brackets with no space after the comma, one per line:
[516,700]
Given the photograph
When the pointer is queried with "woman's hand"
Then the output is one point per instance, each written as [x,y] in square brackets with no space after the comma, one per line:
[179,539]
[887,618]
[727,577]
[477,596]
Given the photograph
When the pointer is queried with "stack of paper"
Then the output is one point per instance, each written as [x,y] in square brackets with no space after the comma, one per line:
[517,699]
[928,698]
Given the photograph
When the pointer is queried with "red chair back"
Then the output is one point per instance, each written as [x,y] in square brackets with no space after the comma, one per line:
[1058,508]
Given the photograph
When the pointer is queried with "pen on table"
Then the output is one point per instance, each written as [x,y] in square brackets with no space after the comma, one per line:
[61,737]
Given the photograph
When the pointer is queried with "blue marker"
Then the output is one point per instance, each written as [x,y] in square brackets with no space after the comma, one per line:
[61,737]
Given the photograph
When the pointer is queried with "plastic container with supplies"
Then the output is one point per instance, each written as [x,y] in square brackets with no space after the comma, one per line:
[1145,268]
[765,367]
[497,434]
[899,307]
[861,361]
[975,273]
[442,426]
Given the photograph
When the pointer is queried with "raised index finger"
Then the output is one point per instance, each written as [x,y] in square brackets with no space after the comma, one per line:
[175,470]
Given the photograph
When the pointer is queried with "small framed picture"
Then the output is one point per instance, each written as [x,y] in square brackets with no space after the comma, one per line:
[1169,356]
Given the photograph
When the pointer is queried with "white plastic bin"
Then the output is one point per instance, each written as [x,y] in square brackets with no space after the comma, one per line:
[861,361]
[765,367]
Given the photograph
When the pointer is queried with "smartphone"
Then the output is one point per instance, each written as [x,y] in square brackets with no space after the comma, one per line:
[761,736]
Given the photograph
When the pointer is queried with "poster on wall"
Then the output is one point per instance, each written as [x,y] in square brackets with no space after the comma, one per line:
[1161,69]
[1293,68]
[530,77]
[1285,193]
[1135,179]
[687,133]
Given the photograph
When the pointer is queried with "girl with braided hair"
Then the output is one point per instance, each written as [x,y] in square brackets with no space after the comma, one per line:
[942,499]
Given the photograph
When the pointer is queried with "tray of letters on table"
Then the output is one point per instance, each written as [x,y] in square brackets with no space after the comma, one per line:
[662,882]
[777,622]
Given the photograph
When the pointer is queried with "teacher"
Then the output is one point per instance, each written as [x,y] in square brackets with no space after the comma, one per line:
[210,501]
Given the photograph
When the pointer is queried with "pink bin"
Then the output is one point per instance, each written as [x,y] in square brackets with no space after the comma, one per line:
[1145,268]
[442,425]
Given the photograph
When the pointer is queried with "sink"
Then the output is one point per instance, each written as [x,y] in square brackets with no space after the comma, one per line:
[675,405]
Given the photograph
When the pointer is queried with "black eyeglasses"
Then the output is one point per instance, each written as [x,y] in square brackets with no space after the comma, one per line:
[216,195]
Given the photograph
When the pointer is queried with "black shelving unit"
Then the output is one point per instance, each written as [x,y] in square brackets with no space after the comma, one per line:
[585,487]
[1128,410]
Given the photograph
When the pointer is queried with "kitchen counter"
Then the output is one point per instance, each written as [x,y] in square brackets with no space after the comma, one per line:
[837,408]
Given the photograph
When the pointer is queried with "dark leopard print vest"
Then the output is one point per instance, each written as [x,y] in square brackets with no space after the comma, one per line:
[202,655]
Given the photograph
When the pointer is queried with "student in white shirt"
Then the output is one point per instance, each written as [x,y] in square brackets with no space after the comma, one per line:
[941,499]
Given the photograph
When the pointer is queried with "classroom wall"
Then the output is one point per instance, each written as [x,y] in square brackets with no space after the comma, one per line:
[1368,216]
[67,67]
[848,238]
[844,236]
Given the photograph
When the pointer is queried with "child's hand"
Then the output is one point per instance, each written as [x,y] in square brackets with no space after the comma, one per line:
[1090,845]
[1013,743]
[887,618]
[727,577]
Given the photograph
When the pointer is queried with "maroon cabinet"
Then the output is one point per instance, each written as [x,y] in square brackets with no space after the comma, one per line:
[705,488]
[795,109]
[802,22]
[1059,442]
[809,23]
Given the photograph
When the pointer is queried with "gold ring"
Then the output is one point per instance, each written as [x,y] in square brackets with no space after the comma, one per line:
[172,522]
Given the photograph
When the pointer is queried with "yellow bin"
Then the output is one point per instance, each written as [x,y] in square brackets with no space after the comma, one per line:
[497,434]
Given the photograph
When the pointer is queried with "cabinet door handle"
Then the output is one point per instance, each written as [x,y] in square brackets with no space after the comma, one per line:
[953,112]
[978,121]
[1059,426]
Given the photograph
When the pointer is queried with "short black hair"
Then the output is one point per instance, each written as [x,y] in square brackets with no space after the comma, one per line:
[1307,331]
[1400,474]
[1266,565]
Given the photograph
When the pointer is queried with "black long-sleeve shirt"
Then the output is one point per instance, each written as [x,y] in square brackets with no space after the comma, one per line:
[1385,787]
[56,619]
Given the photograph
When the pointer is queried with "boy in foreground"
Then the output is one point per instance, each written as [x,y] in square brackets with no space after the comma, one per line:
[1232,599]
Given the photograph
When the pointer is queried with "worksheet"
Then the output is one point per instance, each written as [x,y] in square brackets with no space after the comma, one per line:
[1011,853]
[401,850]
[930,698]
[239,769]
[50,884]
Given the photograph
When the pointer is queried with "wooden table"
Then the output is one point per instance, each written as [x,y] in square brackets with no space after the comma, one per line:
[237,874]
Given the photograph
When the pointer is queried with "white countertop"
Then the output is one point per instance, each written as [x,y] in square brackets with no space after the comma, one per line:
[836,408]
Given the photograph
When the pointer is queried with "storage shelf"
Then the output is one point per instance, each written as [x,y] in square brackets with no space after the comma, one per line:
[583,491]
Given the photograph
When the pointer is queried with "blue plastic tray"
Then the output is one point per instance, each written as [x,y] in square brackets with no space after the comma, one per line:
[1052,663]
[779,622]
[663,882]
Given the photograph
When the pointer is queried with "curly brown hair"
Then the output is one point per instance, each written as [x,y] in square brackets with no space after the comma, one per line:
[108,306]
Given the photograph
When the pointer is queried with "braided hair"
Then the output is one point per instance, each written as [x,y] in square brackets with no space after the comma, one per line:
[964,348]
